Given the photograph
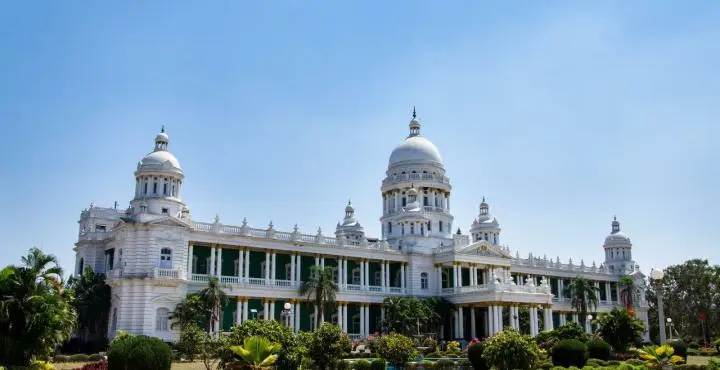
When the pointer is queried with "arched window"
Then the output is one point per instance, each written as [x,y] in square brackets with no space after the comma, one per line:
[162,318]
[81,266]
[424,281]
[166,258]
[389,228]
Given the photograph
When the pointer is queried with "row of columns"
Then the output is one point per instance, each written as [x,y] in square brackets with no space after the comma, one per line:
[475,272]
[494,320]
[393,200]
[270,271]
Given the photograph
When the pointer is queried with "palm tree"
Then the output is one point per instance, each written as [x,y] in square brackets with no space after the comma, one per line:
[320,288]
[583,296]
[627,290]
[214,297]
[92,302]
[44,266]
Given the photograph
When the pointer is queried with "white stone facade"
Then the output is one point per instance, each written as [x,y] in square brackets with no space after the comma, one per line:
[154,254]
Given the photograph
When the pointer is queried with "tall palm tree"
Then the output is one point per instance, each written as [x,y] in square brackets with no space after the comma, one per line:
[321,289]
[92,302]
[583,296]
[627,290]
[44,266]
[214,297]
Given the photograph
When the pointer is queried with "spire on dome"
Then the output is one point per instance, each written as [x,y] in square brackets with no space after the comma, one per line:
[414,124]
[484,207]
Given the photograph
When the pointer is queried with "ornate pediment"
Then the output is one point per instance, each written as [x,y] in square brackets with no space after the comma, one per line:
[484,248]
[168,221]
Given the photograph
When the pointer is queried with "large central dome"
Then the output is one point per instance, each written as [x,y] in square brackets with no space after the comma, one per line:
[415,149]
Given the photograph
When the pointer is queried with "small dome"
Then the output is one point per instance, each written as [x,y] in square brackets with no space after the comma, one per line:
[415,150]
[162,136]
[349,207]
[412,192]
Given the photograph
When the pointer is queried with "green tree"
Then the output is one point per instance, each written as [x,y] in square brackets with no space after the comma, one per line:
[583,297]
[620,329]
[35,312]
[92,303]
[627,290]
[690,293]
[406,315]
[511,350]
[396,349]
[213,297]
[191,311]
[321,289]
[442,315]
[327,345]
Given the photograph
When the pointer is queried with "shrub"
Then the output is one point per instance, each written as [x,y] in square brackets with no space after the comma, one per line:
[79,358]
[326,345]
[427,364]
[395,348]
[378,364]
[96,357]
[445,364]
[510,350]
[411,366]
[679,347]
[635,362]
[620,329]
[361,364]
[545,365]
[100,365]
[598,348]
[571,330]
[343,365]
[61,358]
[717,344]
[139,353]
[289,356]
[41,365]
[546,339]
[569,352]
[475,355]
[714,364]
[693,345]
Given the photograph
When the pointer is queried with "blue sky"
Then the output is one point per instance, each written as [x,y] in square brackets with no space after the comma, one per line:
[561,113]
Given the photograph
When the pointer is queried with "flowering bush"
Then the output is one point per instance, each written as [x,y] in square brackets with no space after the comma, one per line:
[100,365]
[662,357]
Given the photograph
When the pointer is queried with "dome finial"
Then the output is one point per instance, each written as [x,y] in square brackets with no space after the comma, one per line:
[414,124]
[162,129]
[414,113]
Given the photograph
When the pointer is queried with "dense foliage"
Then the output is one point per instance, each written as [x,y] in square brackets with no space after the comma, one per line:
[36,314]
[690,294]
[510,350]
[327,345]
[92,303]
[599,349]
[407,315]
[571,330]
[191,337]
[679,347]
[256,353]
[620,329]
[475,355]
[396,348]
[191,311]
[139,353]
[569,352]
[289,354]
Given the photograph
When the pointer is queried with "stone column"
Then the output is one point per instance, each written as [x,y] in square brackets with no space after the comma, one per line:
[402,277]
[367,319]
[246,270]
[272,310]
[367,273]
[608,297]
[316,314]
[238,310]
[344,277]
[388,280]
[292,269]
[562,318]
[461,325]
[266,308]
[219,262]
[561,289]
[576,318]
[245,305]
[456,323]
[322,261]
[240,264]
[317,260]
[362,320]
[190,262]
[473,275]
[596,284]
[499,318]
[273,271]
[298,269]
[383,268]
[345,318]
[267,267]
[548,318]
[439,278]
[339,314]
[362,274]
[297,316]
[472,322]
[211,268]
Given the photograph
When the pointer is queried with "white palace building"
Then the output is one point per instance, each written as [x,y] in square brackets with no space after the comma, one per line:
[154,254]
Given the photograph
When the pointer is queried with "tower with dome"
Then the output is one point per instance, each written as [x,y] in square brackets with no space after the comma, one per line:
[154,254]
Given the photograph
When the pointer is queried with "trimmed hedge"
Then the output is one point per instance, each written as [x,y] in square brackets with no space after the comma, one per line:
[569,352]
[599,349]
[378,364]
[139,353]
[445,364]
[96,357]
[474,353]
[361,364]
[79,358]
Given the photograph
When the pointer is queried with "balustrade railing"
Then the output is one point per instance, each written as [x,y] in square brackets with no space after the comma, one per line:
[257,281]
[160,273]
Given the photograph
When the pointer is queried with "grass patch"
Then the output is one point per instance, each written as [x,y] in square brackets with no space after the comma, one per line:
[698,360]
